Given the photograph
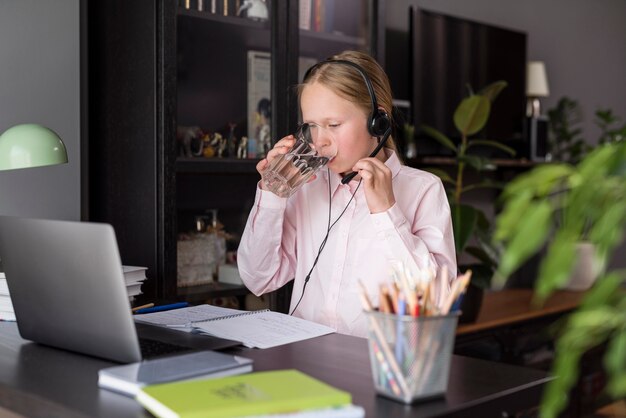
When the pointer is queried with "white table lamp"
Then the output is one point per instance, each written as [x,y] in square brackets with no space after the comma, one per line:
[536,87]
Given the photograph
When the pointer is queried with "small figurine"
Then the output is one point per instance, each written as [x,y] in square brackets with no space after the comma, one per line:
[185,135]
[255,9]
[208,150]
[221,145]
[242,149]
[231,142]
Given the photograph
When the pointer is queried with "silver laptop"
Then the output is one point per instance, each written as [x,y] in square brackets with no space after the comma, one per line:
[67,287]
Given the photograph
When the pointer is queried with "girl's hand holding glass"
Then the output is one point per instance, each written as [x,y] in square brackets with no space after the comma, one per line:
[295,159]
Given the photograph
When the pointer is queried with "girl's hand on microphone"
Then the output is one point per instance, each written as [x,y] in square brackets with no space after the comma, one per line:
[377,184]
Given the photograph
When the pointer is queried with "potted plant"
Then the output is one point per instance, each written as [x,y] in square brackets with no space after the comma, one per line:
[607,121]
[566,141]
[563,205]
[470,224]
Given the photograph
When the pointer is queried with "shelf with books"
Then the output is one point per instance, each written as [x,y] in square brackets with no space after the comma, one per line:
[231,20]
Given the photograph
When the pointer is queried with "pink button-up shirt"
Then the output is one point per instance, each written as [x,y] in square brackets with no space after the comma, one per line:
[282,237]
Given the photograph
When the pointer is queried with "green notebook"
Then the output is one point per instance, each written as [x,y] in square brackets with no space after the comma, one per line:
[276,391]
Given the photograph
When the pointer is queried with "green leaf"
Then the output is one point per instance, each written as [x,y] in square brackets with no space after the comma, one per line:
[492,251]
[565,368]
[598,321]
[463,223]
[485,184]
[541,181]
[604,290]
[492,91]
[441,138]
[616,386]
[507,221]
[531,233]
[478,163]
[557,265]
[483,222]
[606,232]
[479,254]
[472,114]
[489,143]
[615,362]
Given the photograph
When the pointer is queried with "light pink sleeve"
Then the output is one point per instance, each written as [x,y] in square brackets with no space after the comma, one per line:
[428,237]
[266,257]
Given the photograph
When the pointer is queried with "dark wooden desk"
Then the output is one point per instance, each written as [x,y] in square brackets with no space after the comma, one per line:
[513,306]
[511,330]
[40,381]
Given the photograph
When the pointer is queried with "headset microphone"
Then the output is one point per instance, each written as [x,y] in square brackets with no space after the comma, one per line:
[348,177]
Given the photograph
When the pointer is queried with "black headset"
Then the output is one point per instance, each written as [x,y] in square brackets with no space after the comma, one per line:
[378,120]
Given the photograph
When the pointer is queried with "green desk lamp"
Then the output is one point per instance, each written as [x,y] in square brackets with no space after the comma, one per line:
[30,145]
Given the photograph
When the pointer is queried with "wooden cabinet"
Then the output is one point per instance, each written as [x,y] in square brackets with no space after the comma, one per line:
[154,65]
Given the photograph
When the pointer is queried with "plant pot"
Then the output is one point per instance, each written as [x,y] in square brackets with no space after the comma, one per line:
[586,268]
[471,303]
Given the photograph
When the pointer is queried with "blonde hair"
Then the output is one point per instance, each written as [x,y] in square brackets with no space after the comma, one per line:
[347,83]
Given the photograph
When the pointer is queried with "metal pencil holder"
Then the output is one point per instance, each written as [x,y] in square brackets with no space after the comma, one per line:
[410,356]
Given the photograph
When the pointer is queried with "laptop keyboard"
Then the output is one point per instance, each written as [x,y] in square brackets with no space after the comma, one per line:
[153,348]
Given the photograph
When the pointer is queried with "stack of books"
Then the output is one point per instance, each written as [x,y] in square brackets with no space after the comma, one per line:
[6,307]
[134,277]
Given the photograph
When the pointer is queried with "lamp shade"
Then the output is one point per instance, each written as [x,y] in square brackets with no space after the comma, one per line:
[536,80]
[30,145]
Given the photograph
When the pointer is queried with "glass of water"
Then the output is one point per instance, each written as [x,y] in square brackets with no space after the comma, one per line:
[314,147]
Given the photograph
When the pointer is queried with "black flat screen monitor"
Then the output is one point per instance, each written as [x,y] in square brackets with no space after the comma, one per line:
[448,54]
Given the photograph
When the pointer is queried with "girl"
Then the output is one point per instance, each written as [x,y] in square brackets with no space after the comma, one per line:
[330,236]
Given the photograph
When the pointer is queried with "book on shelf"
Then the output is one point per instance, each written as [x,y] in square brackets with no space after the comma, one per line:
[259,103]
[304,20]
[128,379]
[255,329]
[321,14]
[268,392]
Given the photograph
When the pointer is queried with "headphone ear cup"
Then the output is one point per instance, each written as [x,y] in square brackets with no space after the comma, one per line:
[378,123]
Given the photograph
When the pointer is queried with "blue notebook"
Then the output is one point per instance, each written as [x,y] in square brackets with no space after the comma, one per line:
[128,379]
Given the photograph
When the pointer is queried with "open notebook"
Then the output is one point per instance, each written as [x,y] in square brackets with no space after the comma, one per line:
[259,329]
